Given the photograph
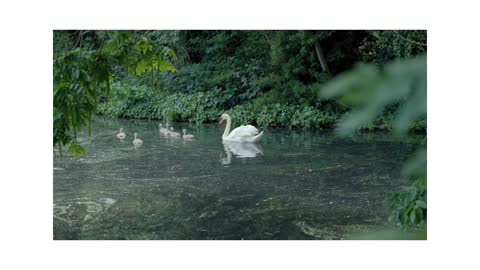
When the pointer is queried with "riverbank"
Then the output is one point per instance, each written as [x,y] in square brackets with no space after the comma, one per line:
[264,78]
[206,107]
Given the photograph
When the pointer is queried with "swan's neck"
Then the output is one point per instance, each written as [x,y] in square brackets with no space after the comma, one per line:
[135,136]
[228,126]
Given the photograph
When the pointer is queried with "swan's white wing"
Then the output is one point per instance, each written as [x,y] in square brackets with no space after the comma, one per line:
[253,130]
[243,131]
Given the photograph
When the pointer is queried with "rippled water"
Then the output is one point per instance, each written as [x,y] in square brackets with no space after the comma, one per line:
[293,185]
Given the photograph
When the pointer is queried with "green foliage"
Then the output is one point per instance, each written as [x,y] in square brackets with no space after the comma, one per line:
[138,53]
[238,80]
[266,67]
[400,44]
[370,90]
[400,85]
[381,46]
[282,64]
[409,206]
[213,46]
[280,115]
[77,76]
[76,150]
[128,100]
[263,72]
[131,101]
[81,75]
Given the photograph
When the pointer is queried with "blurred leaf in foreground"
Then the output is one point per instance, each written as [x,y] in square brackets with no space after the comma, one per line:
[369,90]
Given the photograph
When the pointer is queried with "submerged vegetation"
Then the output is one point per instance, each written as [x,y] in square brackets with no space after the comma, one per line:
[346,80]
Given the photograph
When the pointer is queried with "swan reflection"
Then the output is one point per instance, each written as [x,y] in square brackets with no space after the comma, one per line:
[240,150]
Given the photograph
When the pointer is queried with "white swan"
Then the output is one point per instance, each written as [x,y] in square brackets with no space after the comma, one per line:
[242,133]
[136,141]
[173,133]
[121,135]
[187,136]
[163,130]
[167,126]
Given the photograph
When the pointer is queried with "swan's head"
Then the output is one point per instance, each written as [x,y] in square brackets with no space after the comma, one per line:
[224,117]
[184,131]
[121,130]
[135,134]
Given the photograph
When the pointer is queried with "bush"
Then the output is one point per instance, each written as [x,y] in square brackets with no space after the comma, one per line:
[281,115]
[138,102]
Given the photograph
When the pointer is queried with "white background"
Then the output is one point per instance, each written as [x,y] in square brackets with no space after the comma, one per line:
[26,135]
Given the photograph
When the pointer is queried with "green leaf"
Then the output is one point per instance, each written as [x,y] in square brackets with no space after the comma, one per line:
[420,215]
[413,217]
[414,108]
[141,67]
[421,204]
[164,65]
[369,90]
[402,215]
[412,193]
[352,83]
[76,150]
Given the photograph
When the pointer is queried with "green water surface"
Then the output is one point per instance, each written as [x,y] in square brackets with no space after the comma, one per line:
[292,185]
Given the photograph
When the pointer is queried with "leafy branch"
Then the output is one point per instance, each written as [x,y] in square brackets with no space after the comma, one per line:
[80,74]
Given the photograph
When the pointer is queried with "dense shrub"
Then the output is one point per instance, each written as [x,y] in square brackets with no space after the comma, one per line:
[381,46]
[278,115]
[133,101]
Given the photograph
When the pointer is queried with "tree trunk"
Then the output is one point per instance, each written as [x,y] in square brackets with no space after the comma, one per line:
[320,55]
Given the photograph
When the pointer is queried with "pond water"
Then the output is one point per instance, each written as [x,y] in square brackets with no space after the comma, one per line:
[292,185]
